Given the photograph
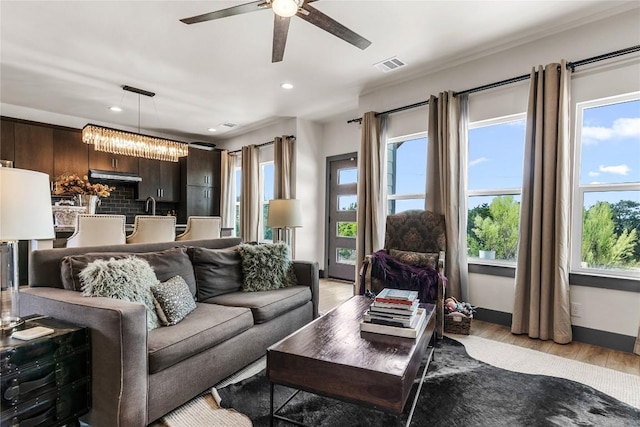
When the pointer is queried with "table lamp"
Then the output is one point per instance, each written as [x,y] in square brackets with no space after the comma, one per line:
[25,214]
[285,214]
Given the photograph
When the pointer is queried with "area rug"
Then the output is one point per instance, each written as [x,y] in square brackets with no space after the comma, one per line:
[460,391]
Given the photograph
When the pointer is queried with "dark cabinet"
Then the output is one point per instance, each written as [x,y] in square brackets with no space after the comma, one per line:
[71,155]
[112,162]
[200,188]
[7,138]
[160,180]
[34,148]
[203,167]
[202,201]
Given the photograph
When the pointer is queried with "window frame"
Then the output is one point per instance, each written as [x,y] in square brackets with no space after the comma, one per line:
[517,192]
[579,190]
[262,227]
[237,192]
[404,196]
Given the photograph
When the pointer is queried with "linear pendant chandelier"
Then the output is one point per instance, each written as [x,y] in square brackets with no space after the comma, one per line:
[134,144]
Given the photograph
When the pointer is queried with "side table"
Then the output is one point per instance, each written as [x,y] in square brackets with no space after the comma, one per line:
[45,381]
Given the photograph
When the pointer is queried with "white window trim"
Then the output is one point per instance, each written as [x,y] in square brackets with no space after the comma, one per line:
[261,225]
[579,190]
[404,196]
[236,226]
[493,192]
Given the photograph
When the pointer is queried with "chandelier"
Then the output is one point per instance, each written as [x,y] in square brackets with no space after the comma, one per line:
[134,144]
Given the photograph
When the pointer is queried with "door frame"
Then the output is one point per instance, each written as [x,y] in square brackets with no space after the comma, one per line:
[327,191]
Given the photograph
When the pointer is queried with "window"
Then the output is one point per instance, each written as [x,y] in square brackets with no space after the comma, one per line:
[238,190]
[606,208]
[266,193]
[406,172]
[496,154]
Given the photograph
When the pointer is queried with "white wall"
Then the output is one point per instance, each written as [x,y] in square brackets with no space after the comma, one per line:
[606,310]
[309,181]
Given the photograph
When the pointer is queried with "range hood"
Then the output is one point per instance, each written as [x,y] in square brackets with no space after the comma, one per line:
[113,176]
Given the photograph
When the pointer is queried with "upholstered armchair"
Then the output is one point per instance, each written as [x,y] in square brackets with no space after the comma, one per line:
[417,238]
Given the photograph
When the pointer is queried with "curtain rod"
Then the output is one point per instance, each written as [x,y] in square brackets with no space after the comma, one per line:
[264,144]
[571,65]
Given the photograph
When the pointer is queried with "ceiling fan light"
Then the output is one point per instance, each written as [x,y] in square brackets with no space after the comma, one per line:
[285,8]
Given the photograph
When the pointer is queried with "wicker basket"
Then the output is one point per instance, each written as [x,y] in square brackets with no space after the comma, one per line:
[456,324]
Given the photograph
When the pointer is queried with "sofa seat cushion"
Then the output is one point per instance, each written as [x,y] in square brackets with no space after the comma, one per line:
[205,327]
[266,305]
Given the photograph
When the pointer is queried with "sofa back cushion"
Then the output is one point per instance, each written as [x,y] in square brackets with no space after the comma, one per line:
[217,271]
[166,264]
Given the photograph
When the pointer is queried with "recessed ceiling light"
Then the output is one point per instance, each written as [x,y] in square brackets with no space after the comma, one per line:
[115,109]
[286,86]
[211,129]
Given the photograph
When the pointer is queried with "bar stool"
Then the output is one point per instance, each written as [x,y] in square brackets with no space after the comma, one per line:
[201,227]
[153,229]
[98,230]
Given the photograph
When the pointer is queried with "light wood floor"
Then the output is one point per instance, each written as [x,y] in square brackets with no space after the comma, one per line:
[333,293]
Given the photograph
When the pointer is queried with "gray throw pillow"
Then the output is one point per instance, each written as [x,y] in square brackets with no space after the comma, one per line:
[173,300]
[266,267]
[166,264]
[217,271]
[127,279]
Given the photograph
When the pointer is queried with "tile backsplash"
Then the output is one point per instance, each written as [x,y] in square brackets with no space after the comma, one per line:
[123,202]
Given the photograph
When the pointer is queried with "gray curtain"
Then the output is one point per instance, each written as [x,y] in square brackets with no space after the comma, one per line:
[371,203]
[542,306]
[446,185]
[283,167]
[249,196]
[228,190]
[282,170]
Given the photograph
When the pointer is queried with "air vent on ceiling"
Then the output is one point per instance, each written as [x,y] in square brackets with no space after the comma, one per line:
[390,64]
[229,125]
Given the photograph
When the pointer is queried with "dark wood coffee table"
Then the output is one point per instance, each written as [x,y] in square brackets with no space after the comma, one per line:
[331,357]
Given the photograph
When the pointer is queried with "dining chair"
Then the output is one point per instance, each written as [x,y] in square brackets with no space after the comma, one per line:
[98,230]
[153,229]
[201,227]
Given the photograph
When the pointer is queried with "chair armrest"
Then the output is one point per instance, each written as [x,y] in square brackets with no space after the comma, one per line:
[118,349]
[308,274]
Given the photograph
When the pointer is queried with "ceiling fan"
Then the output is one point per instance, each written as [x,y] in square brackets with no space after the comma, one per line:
[283,11]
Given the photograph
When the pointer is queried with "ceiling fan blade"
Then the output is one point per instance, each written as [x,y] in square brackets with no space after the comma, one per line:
[230,11]
[280,31]
[320,20]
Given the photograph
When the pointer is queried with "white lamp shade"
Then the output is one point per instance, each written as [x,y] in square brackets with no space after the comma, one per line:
[25,205]
[284,213]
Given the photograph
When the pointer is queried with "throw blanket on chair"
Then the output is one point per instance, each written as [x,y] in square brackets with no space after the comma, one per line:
[397,275]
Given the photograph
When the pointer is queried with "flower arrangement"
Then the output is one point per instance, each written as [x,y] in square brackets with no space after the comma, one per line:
[73,184]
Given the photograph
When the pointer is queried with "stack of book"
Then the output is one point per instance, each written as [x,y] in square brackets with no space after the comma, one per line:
[395,312]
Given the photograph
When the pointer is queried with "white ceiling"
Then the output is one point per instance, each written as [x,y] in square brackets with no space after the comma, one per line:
[72,57]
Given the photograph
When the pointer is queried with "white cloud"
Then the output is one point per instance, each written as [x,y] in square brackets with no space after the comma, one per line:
[622,128]
[593,173]
[478,161]
[616,170]
[627,128]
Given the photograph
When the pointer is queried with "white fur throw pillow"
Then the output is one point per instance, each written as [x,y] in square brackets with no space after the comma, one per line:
[128,279]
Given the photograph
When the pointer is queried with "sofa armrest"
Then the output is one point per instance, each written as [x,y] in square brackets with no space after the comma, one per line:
[308,274]
[118,350]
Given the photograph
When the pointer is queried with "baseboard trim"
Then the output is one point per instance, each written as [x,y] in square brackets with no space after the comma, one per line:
[597,337]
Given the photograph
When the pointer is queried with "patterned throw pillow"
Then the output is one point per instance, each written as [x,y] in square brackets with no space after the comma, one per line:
[128,279]
[266,267]
[417,259]
[173,300]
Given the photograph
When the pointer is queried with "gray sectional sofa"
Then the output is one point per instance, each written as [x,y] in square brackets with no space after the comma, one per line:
[139,375]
